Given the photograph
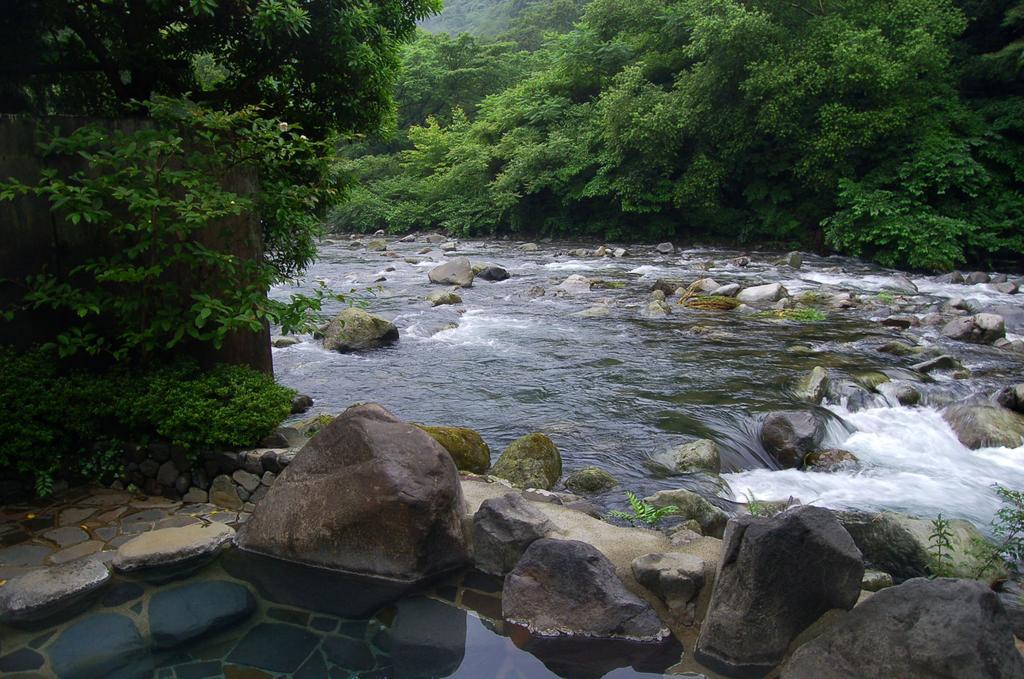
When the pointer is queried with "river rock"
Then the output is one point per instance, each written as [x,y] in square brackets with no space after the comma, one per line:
[567,587]
[1007,288]
[286,341]
[531,461]
[776,577]
[467,448]
[503,528]
[901,285]
[434,238]
[793,260]
[667,286]
[690,505]
[301,403]
[1011,398]
[376,246]
[665,248]
[701,455]
[354,329]
[676,579]
[900,544]
[982,425]
[171,552]
[789,435]
[320,511]
[953,277]
[529,247]
[45,593]
[813,386]
[945,362]
[762,294]
[575,284]
[657,309]
[590,480]
[728,290]
[188,612]
[493,273]
[830,460]
[976,278]
[99,646]
[978,329]
[443,297]
[874,581]
[454,272]
[918,630]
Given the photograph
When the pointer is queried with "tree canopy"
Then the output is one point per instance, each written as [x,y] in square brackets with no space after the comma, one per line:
[888,129]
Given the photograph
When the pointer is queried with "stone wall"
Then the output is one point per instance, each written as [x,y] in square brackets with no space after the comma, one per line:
[34,239]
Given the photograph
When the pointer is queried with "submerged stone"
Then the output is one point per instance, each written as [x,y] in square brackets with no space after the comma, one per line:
[274,647]
[181,614]
[100,646]
[173,551]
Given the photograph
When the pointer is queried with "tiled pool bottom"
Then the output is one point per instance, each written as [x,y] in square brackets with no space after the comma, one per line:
[244,617]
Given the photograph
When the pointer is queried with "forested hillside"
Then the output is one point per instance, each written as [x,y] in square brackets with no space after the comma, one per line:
[891,129]
[491,18]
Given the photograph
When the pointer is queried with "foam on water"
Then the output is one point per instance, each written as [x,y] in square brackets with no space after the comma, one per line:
[911,461]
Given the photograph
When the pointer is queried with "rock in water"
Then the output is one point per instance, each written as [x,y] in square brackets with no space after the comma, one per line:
[985,425]
[690,505]
[443,297]
[665,248]
[590,480]
[762,294]
[369,495]
[467,448]
[354,329]
[531,461]
[503,528]
[47,592]
[493,273]
[181,614]
[575,284]
[979,329]
[777,576]
[918,630]
[813,386]
[455,272]
[790,435]
[568,587]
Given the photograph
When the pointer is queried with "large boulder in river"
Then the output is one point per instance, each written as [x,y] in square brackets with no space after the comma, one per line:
[531,461]
[493,273]
[575,284]
[789,435]
[776,577]
[813,386]
[918,630]
[979,329]
[762,294]
[503,528]
[354,329]
[454,272]
[590,480]
[701,455]
[369,495]
[567,587]
[985,425]
[467,447]
[1011,398]
[900,544]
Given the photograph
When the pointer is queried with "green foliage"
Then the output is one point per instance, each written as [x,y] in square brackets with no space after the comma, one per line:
[74,423]
[642,512]
[797,315]
[889,130]
[1006,552]
[157,194]
[940,548]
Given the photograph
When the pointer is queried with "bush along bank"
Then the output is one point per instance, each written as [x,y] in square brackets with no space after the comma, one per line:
[68,425]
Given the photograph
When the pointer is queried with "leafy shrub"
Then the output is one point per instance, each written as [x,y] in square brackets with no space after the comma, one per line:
[74,423]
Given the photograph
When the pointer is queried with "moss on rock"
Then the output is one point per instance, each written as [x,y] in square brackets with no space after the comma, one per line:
[467,448]
[531,461]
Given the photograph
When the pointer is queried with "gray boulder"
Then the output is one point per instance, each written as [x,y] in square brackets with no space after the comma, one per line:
[575,284]
[945,362]
[984,425]
[181,614]
[45,593]
[665,248]
[531,461]
[566,587]
[503,528]
[953,277]
[676,579]
[1011,398]
[830,460]
[319,510]
[918,630]
[978,329]
[656,309]
[171,552]
[493,273]
[728,290]
[590,480]
[100,646]
[976,278]
[813,386]
[789,435]
[689,505]
[762,294]
[701,455]
[354,329]
[443,297]
[776,577]
[453,272]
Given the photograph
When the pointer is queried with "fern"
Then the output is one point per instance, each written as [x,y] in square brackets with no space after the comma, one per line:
[642,512]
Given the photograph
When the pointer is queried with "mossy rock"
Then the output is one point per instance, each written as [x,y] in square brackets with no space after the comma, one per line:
[608,285]
[590,480]
[710,303]
[830,460]
[531,461]
[467,448]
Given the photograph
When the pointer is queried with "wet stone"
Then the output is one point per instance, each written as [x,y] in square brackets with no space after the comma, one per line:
[121,593]
[199,670]
[292,615]
[38,642]
[275,647]
[348,653]
[482,582]
[22,660]
[24,555]
[355,629]
[323,624]
[76,552]
[106,533]
[487,606]
[98,646]
[173,551]
[44,593]
[313,668]
[184,613]
[75,515]
[38,523]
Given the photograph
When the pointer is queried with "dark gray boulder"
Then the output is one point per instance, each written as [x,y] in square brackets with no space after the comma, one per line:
[503,528]
[493,273]
[49,592]
[453,272]
[100,646]
[354,329]
[369,495]
[675,577]
[918,630]
[1011,398]
[978,329]
[789,435]
[776,577]
[566,587]
[181,614]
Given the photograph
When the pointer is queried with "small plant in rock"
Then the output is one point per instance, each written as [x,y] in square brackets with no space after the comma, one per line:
[1008,528]
[940,548]
[642,512]
[885,297]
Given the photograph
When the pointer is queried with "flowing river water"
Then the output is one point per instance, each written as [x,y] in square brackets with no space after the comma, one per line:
[611,391]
